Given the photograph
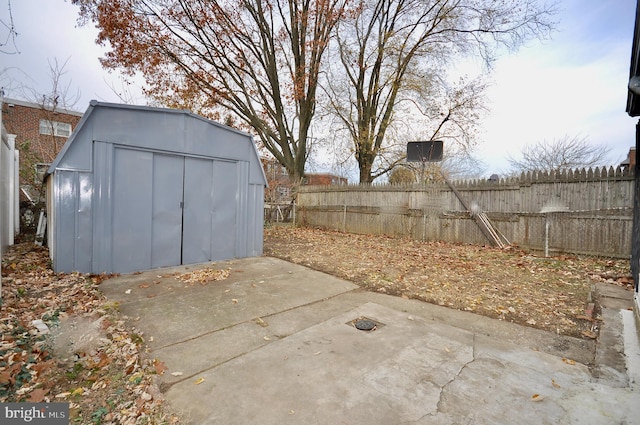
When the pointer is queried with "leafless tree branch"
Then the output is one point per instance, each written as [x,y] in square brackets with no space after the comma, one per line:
[567,152]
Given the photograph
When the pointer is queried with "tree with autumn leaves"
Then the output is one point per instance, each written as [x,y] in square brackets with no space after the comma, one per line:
[267,62]
[256,60]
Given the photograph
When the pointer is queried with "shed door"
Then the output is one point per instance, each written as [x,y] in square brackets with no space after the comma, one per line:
[146,210]
[169,210]
[210,210]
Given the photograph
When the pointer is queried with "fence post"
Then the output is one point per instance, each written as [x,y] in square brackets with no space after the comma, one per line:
[424,224]
[16,180]
[546,235]
[344,218]
[11,178]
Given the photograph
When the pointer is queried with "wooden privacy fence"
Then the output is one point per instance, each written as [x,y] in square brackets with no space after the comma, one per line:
[587,212]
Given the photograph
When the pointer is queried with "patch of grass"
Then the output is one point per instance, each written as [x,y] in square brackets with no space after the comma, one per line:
[97,417]
[111,307]
[137,339]
[75,372]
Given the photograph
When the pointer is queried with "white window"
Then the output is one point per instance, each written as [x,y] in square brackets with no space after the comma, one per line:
[283,191]
[61,129]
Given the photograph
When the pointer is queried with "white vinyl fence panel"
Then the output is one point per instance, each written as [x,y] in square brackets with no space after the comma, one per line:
[9,192]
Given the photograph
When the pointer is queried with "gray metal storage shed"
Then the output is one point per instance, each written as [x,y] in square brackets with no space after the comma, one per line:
[137,188]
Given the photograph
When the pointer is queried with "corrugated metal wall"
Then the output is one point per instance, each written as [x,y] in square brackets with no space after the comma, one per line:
[141,188]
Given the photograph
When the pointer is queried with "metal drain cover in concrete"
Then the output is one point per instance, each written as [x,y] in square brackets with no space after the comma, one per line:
[365,324]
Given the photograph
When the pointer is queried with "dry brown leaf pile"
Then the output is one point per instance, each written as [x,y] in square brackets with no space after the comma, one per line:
[545,293]
[105,382]
[203,276]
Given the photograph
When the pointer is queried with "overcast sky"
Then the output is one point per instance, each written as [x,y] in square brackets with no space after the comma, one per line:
[572,85]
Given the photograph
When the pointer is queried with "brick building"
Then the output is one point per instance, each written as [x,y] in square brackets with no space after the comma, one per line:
[630,162]
[40,134]
[324,179]
[280,186]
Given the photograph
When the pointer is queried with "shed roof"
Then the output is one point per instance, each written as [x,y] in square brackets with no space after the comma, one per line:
[633,100]
[95,106]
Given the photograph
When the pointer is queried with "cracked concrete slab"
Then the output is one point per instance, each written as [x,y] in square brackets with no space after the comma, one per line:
[335,372]
[287,352]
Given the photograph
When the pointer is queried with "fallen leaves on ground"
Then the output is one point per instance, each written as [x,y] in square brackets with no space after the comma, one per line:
[204,275]
[537,397]
[111,382]
[106,381]
[507,284]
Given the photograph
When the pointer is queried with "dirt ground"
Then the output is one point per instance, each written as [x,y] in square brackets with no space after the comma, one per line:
[509,284]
